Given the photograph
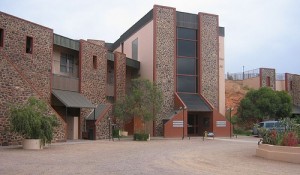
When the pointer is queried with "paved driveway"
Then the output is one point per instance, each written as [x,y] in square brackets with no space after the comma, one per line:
[159,156]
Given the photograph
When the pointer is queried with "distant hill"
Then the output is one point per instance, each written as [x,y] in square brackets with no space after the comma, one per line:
[234,93]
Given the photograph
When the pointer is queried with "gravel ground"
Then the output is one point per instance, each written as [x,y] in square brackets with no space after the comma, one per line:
[158,156]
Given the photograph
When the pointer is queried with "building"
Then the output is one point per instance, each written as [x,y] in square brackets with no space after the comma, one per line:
[267,77]
[80,79]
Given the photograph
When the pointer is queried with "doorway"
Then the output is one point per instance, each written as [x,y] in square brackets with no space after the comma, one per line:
[193,125]
[72,129]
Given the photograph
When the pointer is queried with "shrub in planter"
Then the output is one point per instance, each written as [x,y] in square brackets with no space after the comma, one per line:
[290,139]
[116,133]
[141,136]
[32,121]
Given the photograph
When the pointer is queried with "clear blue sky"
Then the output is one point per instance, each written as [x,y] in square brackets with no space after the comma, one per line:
[259,33]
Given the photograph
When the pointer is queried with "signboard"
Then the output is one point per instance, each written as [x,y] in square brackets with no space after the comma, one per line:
[177,123]
[221,123]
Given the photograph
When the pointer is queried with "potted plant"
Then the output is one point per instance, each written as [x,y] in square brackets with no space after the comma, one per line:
[32,121]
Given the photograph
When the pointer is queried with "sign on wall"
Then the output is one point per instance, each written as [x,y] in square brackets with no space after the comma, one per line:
[221,123]
[177,123]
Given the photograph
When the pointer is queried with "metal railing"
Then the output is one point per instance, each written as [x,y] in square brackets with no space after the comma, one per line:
[242,75]
[280,76]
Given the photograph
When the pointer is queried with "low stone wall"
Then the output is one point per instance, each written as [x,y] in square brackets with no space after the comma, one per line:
[281,153]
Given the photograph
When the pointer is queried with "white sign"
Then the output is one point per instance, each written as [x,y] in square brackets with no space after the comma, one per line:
[177,123]
[221,123]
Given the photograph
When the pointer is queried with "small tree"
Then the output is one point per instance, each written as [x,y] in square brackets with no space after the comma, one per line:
[143,101]
[32,120]
[265,103]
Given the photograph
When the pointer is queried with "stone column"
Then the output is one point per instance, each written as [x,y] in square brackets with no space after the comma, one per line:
[164,23]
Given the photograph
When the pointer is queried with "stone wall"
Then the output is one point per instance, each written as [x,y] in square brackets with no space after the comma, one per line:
[36,67]
[120,75]
[24,74]
[102,126]
[264,73]
[209,57]
[15,90]
[294,91]
[92,81]
[164,59]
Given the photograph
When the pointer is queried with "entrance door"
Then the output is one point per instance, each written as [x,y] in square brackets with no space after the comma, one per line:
[193,125]
[72,123]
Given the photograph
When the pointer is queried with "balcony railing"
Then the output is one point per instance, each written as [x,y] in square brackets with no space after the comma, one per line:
[65,83]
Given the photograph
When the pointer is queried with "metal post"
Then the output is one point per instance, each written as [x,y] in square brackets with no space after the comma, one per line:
[183,124]
[243,73]
[109,125]
[230,120]
[94,124]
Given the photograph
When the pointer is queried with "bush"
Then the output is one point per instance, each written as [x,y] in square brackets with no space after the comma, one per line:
[116,133]
[290,139]
[241,131]
[32,120]
[141,136]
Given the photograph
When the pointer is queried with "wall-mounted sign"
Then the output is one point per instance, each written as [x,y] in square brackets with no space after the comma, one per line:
[177,123]
[221,123]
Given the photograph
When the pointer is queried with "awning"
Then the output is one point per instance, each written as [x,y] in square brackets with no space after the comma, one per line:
[195,102]
[296,109]
[100,108]
[72,99]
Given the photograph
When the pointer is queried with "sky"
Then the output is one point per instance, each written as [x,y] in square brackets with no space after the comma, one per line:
[258,33]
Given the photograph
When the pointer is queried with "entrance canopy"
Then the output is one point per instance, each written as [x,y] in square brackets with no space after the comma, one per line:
[72,99]
[195,102]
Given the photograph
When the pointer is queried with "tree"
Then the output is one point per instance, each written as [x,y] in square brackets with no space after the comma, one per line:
[265,103]
[33,121]
[143,101]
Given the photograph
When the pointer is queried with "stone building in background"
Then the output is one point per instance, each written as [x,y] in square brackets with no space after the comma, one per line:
[182,53]
[267,77]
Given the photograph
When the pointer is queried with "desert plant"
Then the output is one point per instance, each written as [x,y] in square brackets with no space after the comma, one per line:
[290,139]
[141,136]
[32,120]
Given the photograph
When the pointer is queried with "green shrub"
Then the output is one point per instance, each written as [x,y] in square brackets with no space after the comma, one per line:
[141,136]
[241,131]
[116,133]
[32,121]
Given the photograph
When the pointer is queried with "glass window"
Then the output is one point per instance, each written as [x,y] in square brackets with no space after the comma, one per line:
[185,33]
[186,84]
[186,48]
[186,66]
[29,44]
[66,63]
[135,45]
[1,37]
[94,62]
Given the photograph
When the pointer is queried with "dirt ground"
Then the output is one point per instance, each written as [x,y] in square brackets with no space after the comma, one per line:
[158,156]
[234,93]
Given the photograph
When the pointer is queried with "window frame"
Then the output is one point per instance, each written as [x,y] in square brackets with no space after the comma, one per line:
[69,67]
[95,61]
[135,43]
[29,46]
[1,37]
[268,81]
[195,57]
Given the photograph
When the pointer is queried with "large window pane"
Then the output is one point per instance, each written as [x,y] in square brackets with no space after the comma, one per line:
[186,84]
[187,33]
[186,66]
[186,48]
[135,46]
